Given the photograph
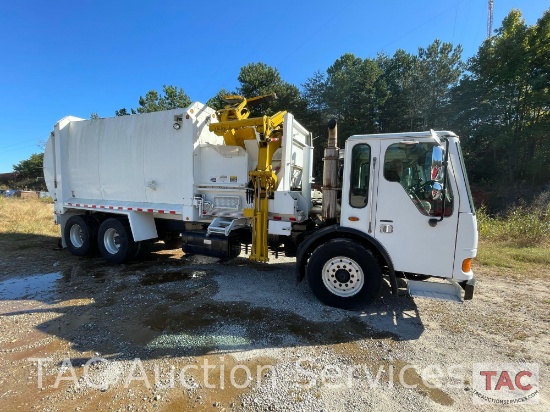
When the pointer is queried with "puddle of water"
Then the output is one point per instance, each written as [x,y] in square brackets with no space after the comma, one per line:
[186,341]
[201,327]
[164,277]
[37,286]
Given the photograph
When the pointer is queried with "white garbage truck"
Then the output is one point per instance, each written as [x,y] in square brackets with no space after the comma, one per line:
[215,182]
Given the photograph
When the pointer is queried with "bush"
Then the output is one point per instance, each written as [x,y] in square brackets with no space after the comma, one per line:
[521,225]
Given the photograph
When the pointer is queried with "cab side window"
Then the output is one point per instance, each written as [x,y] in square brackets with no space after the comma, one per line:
[360,175]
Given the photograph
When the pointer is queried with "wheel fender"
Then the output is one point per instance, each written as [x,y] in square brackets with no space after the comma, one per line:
[306,248]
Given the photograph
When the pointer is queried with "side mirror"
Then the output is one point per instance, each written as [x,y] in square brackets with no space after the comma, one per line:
[436,167]
[437,191]
[440,159]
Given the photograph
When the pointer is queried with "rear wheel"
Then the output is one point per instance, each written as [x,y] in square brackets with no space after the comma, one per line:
[80,235]
[344,275]
[115,241]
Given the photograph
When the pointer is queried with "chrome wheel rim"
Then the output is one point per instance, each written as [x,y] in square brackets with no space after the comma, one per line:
[343,276]
[111,240]
[76,234]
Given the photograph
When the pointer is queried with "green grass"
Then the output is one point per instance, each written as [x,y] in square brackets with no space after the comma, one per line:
[517,241]
[520,226]
[533,259]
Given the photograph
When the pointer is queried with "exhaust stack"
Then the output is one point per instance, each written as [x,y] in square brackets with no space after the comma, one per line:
[330,175]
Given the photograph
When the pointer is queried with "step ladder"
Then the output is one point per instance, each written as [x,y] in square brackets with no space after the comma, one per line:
[224,225]
[450,291]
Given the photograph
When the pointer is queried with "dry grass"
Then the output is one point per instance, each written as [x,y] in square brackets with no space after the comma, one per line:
[29,238]
[26,217]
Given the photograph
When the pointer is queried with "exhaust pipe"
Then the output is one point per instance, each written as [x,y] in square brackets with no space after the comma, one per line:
[330,175]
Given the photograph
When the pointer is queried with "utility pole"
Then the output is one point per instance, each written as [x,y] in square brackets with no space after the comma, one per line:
[489,18]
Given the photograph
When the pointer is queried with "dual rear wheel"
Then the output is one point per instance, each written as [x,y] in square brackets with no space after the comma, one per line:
[84,236]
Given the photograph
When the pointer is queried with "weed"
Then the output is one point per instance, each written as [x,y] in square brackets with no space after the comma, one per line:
[520,226]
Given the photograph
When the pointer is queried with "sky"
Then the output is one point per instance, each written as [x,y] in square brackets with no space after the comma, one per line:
[60,58]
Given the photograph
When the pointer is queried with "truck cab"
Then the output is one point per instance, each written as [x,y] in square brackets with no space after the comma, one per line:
[406,209]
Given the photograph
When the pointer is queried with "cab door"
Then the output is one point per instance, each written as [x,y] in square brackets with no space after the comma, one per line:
[359,184]
[408,206]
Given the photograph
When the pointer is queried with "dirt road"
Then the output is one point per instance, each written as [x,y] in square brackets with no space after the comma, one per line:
[175,333]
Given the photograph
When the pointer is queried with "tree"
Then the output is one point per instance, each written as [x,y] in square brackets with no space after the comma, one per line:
[401,111]
[124,112]
[216,102]
[504,104]
[317,116]
[420,87]
[171,97]
[355,94]
[259,79]
[440,67]
[30,168]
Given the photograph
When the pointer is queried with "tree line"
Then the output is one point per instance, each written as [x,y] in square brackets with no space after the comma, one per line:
[498,101]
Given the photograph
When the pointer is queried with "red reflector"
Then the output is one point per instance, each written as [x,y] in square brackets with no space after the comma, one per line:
[292,219]
[276,217]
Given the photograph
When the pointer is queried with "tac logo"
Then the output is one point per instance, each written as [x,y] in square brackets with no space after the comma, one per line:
[505,383]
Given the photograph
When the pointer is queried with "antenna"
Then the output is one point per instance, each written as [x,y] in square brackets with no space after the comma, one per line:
[489,18]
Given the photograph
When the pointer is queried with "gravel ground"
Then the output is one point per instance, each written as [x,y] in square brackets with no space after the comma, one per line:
[175,333]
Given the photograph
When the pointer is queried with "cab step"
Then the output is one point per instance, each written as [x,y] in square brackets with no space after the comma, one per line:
[224,225]
[450,291]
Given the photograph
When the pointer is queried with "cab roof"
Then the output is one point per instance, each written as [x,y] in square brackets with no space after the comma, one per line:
[405,135]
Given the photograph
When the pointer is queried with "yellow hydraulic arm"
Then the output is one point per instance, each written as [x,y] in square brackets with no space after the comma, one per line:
[235,127]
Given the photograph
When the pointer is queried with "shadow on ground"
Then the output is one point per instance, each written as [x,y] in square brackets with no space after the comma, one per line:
[192,306]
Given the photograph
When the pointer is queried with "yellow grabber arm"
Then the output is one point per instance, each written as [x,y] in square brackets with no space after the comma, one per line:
[235,127]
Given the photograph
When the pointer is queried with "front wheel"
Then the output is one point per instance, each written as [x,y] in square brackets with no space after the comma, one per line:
[115,241]
[343,274]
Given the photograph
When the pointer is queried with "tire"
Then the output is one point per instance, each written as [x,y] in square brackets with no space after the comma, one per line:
[341,260]
[80,235]
[115,241]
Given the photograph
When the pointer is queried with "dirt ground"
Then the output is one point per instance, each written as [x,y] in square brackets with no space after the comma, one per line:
[175,333]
